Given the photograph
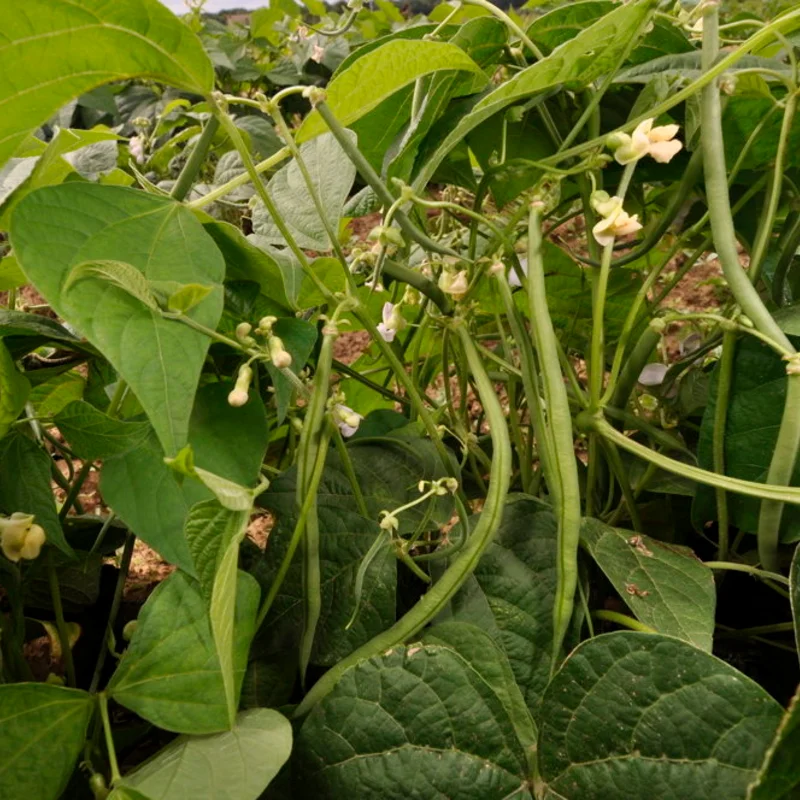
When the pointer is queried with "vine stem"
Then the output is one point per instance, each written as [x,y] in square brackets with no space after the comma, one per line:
[61,625]
[733,566]
[724,380]
[433,601]
[788,443]
[622,619]
[195,160]
[116,602]
[112,752]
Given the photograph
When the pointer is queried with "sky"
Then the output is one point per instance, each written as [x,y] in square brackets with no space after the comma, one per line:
[179,7]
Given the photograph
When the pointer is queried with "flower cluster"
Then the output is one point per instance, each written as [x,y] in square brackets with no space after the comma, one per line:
[657,142]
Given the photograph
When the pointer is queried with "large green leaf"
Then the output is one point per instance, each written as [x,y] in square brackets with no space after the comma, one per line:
[148,495]
[758,393]
[214,534]
[22,456]
[235,765]
[666,587]
[171,673]
[14,391]
[54,394]
[414,722]
[483,654]
[576,63]
[54,50]
[159,358]
[345,539]
[779,776]
[483,40]
[43,730]
[510,594]
[93,434]
[379,74]
[245,261]
[332,174]
[634,715]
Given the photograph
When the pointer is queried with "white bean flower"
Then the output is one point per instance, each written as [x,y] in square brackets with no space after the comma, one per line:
[615,222]
[393,322]
[454,283]
[346,419]
[657,142]
[136,148]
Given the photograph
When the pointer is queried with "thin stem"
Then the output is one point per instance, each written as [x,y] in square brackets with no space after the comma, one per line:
[112,752]
[733,566]
[116,602]
[195,161]
[622,619]
[724,380]
[61,625]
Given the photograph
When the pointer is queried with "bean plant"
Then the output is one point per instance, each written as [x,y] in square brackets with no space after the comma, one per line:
[411,293]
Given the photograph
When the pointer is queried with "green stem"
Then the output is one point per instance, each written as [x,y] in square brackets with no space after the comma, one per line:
[61,625]
[779,493]
[112,753]
[777,627]
[724,380]
[622,619]
[620,472]
[733,566]
[767,224]
[116,602]
[74,490]
[195,161]
[785,454]
[437,597]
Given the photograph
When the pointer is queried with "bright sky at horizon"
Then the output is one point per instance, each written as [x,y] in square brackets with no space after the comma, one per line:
[179,7]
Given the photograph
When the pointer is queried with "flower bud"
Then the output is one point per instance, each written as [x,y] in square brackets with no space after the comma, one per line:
[389,521]
[243,331]
[281,358]
[129,629]
[240,394]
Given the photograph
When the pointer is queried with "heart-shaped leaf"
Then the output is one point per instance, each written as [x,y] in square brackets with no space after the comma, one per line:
[644,715]
[54,50]
[666,587]
[43,728]
[161,359]
[238,764]
[171,673]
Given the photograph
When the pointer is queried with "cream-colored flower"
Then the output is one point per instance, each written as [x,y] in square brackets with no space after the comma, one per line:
[659,143]
[454,283]
[20,537]
[616,223]
[393,321]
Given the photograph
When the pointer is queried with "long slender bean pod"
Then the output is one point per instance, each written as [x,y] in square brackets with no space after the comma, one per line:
[785,454]
[436,598]
[563,480]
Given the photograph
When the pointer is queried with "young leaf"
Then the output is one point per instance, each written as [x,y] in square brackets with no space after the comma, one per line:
[14,391]
[171,673]
[655,715]
[214,534]
[187,297]
[239,763]
[379,74]
[44,728]
[779,776]
[54,50]
[94,435]
[666,587]
[332,174]
[415,722]
[159,240]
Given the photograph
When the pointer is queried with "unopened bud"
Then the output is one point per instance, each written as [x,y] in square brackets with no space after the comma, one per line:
[243,331]
[281,358]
